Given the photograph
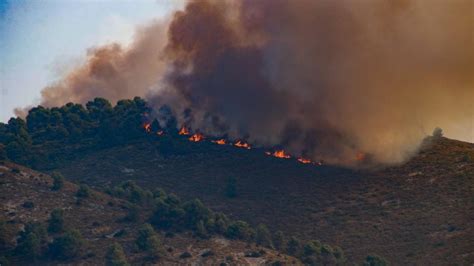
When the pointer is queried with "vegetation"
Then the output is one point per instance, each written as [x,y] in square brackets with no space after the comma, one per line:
[148,240]
[67,246]
[31,242]
[374,260]
[56,221]
[437,132]
[58,181]
[116,256]
[83,192]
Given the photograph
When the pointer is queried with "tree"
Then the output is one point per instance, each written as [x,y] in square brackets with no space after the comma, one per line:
[263,236]
[312,247]
[67,246]
[83,192]
[293,246]
[201,230]
[116,256]
[56,221]
[279,240]
[30,241]
[58,181]
[437,132]
[195,211]
[147,240]
[231,188]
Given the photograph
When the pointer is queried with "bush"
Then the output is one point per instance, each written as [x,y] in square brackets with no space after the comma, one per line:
[185,255]
[147,240]
[28,205]
[279,241]
[374,260]
[56,221]
[67,246]
[231,188]
[83,192]
[240,230]
[263,236]
[312,247]
[133,213]
[58,181]
[31,241]
[437,132]
[293,246]
[115,256]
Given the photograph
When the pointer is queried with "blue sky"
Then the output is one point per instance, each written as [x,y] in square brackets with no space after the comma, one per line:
[39,40]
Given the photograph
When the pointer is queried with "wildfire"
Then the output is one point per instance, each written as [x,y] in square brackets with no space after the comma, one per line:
[147,127]
[160,133]
[219,141]
[304,160]
[280,154]
[196,137]
[183,131]
[360,156]
[242,144]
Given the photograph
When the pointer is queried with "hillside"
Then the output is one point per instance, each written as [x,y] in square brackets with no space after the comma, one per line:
[416,213]
[26,196]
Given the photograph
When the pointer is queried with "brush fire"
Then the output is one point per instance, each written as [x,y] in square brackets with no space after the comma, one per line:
[242,144]
[183,131]
[219,141]
[196,137]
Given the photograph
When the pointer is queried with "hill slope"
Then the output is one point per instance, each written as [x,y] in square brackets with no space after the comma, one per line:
[98,218]
[416,213]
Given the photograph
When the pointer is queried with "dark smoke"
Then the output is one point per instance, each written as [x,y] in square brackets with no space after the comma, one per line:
[327,79]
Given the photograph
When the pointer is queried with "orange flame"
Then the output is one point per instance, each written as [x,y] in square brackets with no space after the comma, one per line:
[360,156]
[160,133]
[281,154]
[183,131]
[220,141]
[196,137]
[304,160]
[242,144]
[147,127]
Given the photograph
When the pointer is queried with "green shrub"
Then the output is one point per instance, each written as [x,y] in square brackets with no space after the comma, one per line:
[147,240]
[293,246]
[263,236]
[116,256]
[31,241]
[374,260]
[67,246]
[231,188]
[58,181]
[279,241]
[240,230]
[56,221]
[83,192]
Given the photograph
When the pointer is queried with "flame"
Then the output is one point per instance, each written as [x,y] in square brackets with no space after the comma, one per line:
[196,137]
[281,154]
[360,156]
[219,141]
[147,127]
[183,131]
[160,133]
[304,160]
[242,144]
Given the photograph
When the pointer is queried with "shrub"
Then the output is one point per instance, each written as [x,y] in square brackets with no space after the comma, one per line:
[56,221]
[29,246]
[312,247]
[185,255]
[201,230]
[58,181]
[147,240]
[83,192]
[374,260]
[279,241]
[263,236]
[231,188]
[240,230]
[28,205]
[437,132]
[132,213]
[293,246]
[67,246]
[195,212]
[115,256]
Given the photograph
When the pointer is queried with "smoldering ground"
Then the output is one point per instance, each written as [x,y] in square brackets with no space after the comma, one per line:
[327,79]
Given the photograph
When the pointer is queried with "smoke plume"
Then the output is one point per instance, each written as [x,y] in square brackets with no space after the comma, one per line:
[323,79]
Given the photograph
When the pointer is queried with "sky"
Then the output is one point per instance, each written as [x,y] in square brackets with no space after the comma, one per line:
[39,40]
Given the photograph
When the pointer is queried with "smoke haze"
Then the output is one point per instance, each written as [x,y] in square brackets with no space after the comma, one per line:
[324,79]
